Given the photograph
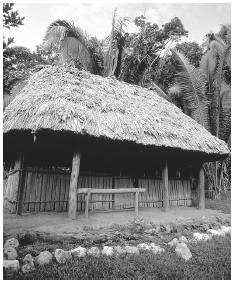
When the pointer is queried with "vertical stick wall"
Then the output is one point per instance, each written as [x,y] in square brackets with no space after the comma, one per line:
[13,185]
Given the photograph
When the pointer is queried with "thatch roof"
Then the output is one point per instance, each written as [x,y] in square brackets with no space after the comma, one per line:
[65,99]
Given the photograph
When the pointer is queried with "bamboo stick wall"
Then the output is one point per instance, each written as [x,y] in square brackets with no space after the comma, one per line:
[89,180]
[48,190]
[11,191]
[124,200]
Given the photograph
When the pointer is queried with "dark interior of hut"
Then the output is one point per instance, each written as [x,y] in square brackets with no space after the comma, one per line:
[99,155]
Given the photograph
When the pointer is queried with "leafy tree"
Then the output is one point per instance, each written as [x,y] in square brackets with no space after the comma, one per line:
[10,19]
[20,63]
[43,56]
[140,65]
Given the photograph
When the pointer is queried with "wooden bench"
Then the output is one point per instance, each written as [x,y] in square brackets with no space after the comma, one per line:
[89,191]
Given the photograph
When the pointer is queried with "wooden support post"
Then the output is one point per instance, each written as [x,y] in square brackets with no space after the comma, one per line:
[165,187]
[201,188]
[87,197]
[21,184]
[137,203]
[72,208]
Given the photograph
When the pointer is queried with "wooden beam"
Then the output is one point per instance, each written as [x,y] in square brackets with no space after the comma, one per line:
[201,188]
[110,191]
[165,187]
[72,204]
[21,184]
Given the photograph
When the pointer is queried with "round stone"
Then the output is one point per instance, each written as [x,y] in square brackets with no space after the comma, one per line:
[44,258]
[59,255]
[94,251]
[14,243]
[108,251]
[10,253]
[131,250]
[79,252]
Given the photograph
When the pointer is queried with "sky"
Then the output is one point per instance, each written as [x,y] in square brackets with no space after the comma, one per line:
[96,19]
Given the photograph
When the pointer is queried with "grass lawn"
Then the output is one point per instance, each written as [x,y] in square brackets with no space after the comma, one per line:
[223,204]
[211,260]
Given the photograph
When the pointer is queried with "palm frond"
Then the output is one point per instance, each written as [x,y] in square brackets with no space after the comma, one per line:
[191,80]
[111,54]
[227,54]
[208,64]
[225,124]
[225,95]
[70,42]
[201,114]
[225,33]
[175,95]
[192,83]
[218,42]
[174,91]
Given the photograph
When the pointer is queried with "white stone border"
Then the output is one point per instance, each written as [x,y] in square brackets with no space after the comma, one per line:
[12,265]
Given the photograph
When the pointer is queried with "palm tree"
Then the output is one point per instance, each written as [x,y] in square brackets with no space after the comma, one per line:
[72,45]
[190,88]
[216,64]
[204,93]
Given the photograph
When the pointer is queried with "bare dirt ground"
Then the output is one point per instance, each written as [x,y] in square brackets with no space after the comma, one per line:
[59,224]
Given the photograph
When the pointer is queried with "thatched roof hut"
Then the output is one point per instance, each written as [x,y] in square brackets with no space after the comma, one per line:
[63,104]
[68,100]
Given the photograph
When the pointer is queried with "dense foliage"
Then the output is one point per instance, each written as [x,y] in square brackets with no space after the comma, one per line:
[204,93]
[167,68]
[140,66]
[11,18]
[134,58]
[19,63]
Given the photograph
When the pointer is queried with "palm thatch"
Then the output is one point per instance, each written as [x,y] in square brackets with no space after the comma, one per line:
[64,99]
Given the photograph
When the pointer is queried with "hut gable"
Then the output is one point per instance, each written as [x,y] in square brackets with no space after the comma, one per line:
[66,99]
